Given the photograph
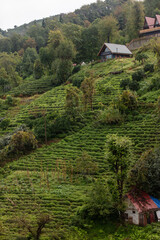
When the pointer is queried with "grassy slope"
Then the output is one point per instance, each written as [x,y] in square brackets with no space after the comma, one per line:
[39,182]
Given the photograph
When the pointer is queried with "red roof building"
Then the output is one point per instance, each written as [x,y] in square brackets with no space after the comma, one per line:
[157,21]
[151,27]
[149,23]
[141,208]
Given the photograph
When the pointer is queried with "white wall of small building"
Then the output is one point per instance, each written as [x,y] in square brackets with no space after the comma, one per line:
[132,212]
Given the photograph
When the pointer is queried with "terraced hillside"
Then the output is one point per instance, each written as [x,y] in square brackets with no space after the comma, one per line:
[33,86]
[45,182]
[51,101]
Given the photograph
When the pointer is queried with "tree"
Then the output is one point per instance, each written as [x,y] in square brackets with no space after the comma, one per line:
[99,203]
[88,89]
[46,57]
[89,44]
[16,42]
[30,56]
[108,29]
[63,69]
[39,34]
[118,156]
[35,232]
[9,61]
[23,142]
[72,101]
[43,23]
[127,102]
[30,42]
[134,14]
[73,33]
[5,45]
[54,39]
[145,174]
[4,80]
[150,6]
[38,69]
[138,17]
[85,165]
[65,50]
[8,69]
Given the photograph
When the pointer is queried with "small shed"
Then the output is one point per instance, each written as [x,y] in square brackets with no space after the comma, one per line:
[111,50]
[141,208]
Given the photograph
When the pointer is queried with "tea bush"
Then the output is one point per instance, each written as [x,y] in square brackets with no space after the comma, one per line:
[125,83]
[110,116]
[149,67]
[134,86]
[22,142]
[4,123]
[127,102]
[155,84]
[138,75]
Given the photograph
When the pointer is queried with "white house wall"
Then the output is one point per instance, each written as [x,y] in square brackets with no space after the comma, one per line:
[135,216]
[132,212]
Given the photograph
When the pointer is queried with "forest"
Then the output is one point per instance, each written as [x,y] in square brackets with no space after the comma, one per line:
[77,134]
[51,46]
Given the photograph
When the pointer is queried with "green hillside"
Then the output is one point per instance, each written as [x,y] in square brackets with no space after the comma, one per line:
[47,180]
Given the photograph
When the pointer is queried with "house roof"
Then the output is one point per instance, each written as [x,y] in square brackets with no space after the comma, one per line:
[116,49]
[142,201]
[150,22]
[158,19]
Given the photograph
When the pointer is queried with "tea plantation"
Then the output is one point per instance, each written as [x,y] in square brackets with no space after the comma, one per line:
[46,181]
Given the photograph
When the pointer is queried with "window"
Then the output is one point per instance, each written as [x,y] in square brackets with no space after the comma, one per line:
[133,212]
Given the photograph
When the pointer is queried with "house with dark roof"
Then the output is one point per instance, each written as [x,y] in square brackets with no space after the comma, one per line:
[151,27]
[141,208]
[111,50]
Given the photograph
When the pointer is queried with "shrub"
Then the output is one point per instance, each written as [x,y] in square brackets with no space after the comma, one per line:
[138,75]
[134,86]
[9,100]
[77,80]
[61,124]
[99,204]
[4,124]
[5,140]
[85,165]
[23,142]
[158,108]
[20,143]
[155,84]
[125,83]
[141,57]
[149,67]
[106,89]
[76,69]
[127,101]
[110,116]
[1,103]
